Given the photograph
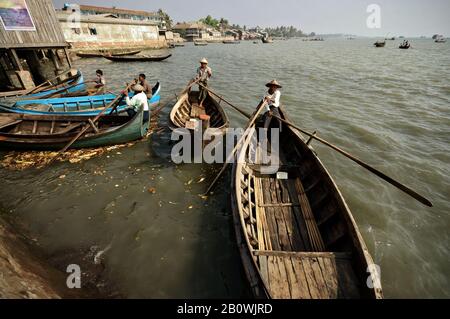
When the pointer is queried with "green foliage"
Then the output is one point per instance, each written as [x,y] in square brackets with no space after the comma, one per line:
[285,32]
[210,21]
[165,17]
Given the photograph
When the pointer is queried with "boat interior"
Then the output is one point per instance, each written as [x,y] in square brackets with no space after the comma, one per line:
[297,226]
[189,108]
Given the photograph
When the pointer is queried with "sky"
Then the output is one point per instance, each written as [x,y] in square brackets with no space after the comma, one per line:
[398,17]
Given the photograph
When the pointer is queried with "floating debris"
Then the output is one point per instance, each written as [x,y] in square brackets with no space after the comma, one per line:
[22,160]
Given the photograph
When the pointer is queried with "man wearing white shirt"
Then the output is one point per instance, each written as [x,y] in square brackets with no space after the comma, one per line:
[138,101]
[272,98]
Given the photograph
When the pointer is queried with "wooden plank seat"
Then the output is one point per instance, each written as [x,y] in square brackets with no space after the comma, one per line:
[307,275]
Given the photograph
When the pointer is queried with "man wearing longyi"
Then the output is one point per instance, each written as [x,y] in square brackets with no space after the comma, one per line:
[272,99]
[204,73]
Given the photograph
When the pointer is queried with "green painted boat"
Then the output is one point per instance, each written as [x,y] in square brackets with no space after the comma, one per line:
[38,132]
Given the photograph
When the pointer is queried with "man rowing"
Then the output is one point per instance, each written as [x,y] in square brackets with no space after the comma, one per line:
[204,73]
[272,99]
[138,101]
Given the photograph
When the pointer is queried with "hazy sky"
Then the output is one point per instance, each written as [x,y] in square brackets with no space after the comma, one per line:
[398,17]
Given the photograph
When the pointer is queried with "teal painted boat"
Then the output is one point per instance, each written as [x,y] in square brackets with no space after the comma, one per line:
[37,132]
[78,106]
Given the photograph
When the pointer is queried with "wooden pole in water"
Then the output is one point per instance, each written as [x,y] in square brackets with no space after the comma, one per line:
[371,169]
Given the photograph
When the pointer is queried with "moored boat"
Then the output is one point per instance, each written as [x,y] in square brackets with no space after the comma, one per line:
[138,58]
[231,42]
[53,132]
[200,43]
[101,54]
[296,235]
[267,40]
[80,106]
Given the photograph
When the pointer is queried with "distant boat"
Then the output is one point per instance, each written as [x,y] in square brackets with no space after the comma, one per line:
[100,54]
[405,46]
[390,39]
[179,44]
[138,58]
[200,43]
[231,42]
[380,44]
[440,39]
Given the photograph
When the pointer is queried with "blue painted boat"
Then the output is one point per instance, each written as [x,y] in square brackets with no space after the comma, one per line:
[75,84]
[81,106]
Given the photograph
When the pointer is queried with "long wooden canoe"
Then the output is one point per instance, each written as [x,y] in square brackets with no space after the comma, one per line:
[79,106]
[138,58]
[100,54]
[44,132]
[187,108]
[295,233]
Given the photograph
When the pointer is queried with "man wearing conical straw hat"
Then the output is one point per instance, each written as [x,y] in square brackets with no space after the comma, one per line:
[204,73]
[272,97]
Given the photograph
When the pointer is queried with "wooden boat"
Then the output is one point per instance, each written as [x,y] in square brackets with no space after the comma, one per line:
[72,79]
[295,233]
[267,40]
[405,47]
[138,58]
[231,42]
[187,111]
[100,54]
[44,132]
[77,106]
[380,44]
[200,43]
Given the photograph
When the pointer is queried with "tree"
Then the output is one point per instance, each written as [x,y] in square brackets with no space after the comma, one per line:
[166,18]
[210,21]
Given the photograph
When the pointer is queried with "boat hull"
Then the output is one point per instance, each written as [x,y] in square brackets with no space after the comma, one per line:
[274,235]
[133,129]
[136,58]
[81,106]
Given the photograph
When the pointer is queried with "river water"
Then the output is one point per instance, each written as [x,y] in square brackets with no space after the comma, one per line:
[389,107]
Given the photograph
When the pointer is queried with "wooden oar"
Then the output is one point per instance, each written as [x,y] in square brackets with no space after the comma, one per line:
[66,88]
[87,126]
[33,90]
[250,124]
[388,179]
[247,115]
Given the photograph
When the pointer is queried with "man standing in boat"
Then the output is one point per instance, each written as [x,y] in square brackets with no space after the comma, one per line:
[138,101]
[272,99]
[204,73]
